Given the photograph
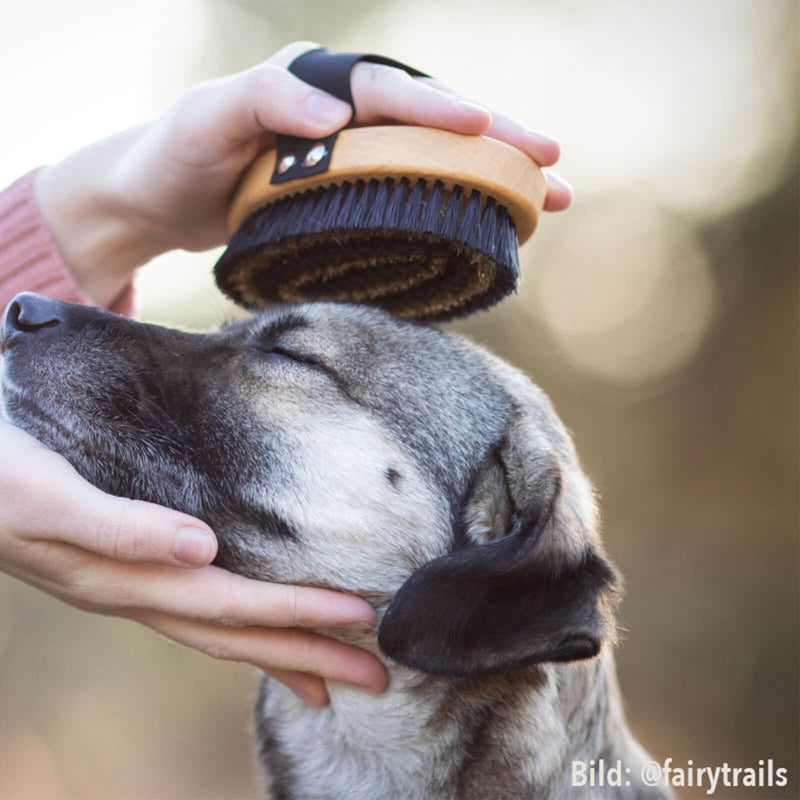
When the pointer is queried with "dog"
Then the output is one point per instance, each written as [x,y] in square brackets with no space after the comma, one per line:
[335,445]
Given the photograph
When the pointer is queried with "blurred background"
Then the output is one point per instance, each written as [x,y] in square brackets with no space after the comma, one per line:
[660,313]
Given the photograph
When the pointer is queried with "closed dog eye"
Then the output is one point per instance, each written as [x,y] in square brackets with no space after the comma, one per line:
[273,353]
[281,354]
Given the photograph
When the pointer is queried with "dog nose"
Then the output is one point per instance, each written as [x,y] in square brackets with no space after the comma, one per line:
[29,313]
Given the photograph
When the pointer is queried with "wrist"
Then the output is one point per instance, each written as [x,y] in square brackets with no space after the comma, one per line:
[101,240]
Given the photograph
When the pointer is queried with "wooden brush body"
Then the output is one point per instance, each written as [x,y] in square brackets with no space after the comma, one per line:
[422,222]
[492,167]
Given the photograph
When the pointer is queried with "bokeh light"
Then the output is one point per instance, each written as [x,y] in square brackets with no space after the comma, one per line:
[629,300]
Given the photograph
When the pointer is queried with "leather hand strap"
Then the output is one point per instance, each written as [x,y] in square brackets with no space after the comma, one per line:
[297,157]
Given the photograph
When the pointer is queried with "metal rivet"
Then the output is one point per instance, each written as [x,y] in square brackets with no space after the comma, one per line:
[315,155]
[287,162]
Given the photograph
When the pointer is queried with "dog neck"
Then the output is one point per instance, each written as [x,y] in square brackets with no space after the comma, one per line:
[505,736]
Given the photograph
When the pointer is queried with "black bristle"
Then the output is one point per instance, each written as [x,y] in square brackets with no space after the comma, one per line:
[316,212]
[376,213]
[394,211]
[431,258]
[304,213]
[291,217]
[329,195]
[507,249]
[489,223]
[261,221]
[432,210]
[362,209]
[346,212]
[469,231]
[452,214]
[256,222]
[411,213]
[273,221]
[333,211]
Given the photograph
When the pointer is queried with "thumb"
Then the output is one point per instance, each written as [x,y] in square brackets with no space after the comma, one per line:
[133,530]
[43,497]
[266,98]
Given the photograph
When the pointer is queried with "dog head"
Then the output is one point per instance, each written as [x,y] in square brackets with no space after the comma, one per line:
[337,446]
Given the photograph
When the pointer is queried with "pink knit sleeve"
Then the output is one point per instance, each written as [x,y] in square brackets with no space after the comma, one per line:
[29,258]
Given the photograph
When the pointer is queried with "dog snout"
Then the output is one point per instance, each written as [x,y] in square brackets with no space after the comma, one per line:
[32,318]
[29,314]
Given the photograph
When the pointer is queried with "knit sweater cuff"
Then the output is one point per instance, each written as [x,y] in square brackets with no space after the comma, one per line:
[29,258]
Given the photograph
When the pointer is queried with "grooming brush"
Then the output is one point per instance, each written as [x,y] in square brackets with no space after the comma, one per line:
[421,222]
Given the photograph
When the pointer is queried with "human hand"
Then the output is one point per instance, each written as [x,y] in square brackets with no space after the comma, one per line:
[132,559]
[168,184]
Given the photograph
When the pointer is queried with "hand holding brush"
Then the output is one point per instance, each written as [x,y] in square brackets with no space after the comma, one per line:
[168,184]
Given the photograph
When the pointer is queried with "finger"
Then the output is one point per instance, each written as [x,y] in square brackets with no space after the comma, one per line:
[289,650]
[539,146]
[437,84]
[73,511]
[266,98]
[384,94]
[132,530]
[543,149]
[215,596]
[559,192]
[310,689]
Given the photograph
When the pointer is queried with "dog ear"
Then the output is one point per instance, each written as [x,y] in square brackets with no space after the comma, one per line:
[527,581]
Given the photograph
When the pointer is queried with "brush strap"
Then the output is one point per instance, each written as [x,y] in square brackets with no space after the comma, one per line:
[297,157]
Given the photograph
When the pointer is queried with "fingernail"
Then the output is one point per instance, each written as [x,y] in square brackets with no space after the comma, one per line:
[542,137]
[473,108]
[194,546]
[556,181]
[323,107]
